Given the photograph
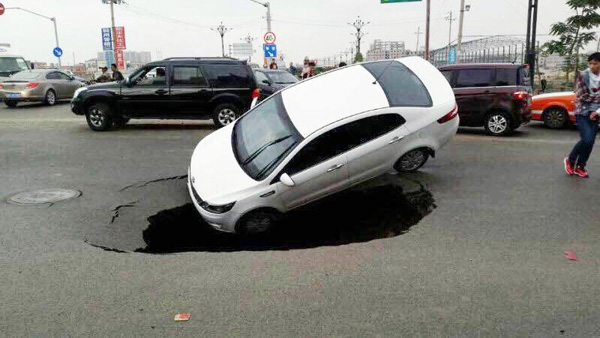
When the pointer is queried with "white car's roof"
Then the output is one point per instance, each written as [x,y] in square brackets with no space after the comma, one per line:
[315,103]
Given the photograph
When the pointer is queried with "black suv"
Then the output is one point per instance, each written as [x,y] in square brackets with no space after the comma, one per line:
[494,96]
[175,88]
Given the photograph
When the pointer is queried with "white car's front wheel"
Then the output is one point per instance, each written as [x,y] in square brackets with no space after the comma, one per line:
[257,222]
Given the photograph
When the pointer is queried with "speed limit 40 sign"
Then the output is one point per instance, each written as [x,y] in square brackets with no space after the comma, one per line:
[1,9]
[270,38]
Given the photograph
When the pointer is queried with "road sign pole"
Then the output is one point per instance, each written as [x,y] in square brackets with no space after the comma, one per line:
[56,36]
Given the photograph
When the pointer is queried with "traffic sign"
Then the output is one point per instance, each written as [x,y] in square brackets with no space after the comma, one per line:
[452,56]
[2,9]
[57,52]
[270,51]
[270,38]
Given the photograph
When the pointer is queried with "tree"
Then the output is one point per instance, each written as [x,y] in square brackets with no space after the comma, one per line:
[574,34]
[359,57]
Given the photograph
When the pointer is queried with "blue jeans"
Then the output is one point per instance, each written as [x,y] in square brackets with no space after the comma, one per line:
[582,150]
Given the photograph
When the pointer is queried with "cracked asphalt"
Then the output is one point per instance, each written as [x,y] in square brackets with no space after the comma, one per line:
[486,261]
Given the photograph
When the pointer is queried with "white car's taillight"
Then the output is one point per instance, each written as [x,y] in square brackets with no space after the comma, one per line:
[452,114]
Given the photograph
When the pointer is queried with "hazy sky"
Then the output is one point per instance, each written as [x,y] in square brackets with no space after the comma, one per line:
[314,28]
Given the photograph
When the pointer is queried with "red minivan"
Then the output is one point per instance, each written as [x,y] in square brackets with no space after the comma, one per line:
[494,96]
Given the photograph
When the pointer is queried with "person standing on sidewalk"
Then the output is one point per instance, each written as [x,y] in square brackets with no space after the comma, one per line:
[587,113]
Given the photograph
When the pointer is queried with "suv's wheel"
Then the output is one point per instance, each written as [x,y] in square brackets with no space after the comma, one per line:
[497,124]
[11,104]
[99,116]
[120,121]
[50,98]
[257,222]
[412,161]
[555,118]
[224,114]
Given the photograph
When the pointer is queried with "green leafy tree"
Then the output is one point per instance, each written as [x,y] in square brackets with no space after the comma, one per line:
[358,57]
[574,34]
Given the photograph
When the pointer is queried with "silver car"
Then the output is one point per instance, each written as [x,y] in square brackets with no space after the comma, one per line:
[38,85]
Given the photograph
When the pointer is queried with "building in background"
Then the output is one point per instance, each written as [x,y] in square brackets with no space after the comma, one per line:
[383,50]
[133,59]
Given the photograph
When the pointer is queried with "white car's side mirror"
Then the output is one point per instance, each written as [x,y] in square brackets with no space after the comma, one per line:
[287,180]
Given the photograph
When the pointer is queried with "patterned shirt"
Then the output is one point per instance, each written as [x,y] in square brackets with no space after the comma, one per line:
[588,98]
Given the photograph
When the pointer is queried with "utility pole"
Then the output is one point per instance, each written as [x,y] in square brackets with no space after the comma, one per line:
[449,18]
[53,19]
[268,6]
[352,52]
[358,25]
[428,10]
[221,29]
[460,29]
[418,36]
[112,25]
[530,47]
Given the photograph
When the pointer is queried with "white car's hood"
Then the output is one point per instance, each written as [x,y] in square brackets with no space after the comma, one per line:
[216,174]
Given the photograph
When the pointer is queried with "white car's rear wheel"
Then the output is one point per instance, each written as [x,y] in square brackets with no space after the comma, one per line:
[412,161]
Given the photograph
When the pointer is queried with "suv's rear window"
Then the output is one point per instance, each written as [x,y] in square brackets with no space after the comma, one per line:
[401,86]
[474,78]
[506,77]
[236,76]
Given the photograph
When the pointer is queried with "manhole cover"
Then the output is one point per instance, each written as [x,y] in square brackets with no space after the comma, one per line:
[43,196]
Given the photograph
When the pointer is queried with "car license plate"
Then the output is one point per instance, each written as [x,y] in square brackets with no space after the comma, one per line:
[13,95]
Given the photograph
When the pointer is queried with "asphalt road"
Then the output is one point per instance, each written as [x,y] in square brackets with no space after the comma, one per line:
[483,259]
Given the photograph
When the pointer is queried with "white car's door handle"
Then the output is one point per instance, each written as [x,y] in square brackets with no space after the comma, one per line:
[335,167]
[395,139]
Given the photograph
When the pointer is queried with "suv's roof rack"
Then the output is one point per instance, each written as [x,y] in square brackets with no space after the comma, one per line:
[202,58]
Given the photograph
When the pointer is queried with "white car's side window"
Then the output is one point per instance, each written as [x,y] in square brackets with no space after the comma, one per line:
[342,139]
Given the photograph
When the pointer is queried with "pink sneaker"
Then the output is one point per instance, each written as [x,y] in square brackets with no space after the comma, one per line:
[568,167]
[581,172]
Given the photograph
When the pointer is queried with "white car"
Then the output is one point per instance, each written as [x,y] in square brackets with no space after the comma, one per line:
[319,137]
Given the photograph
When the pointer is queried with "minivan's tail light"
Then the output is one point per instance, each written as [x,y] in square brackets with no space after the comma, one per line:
[449,116]
[256,93]
[32,85]
[520,95]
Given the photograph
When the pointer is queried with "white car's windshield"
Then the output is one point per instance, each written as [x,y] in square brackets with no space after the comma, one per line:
[11,65]
[263,137]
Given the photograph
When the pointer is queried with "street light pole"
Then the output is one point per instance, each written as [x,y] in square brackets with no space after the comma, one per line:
[268,6]
[460,30]
[358,25]
[56,37]
[45,17]
[221,29]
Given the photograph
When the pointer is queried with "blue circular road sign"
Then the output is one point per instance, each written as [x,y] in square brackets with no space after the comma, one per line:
[57,52]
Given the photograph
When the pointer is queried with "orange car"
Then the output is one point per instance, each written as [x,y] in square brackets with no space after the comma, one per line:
[556,110]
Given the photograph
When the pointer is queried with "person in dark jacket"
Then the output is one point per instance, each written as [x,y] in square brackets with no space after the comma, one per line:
[587,114]
[116,74]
